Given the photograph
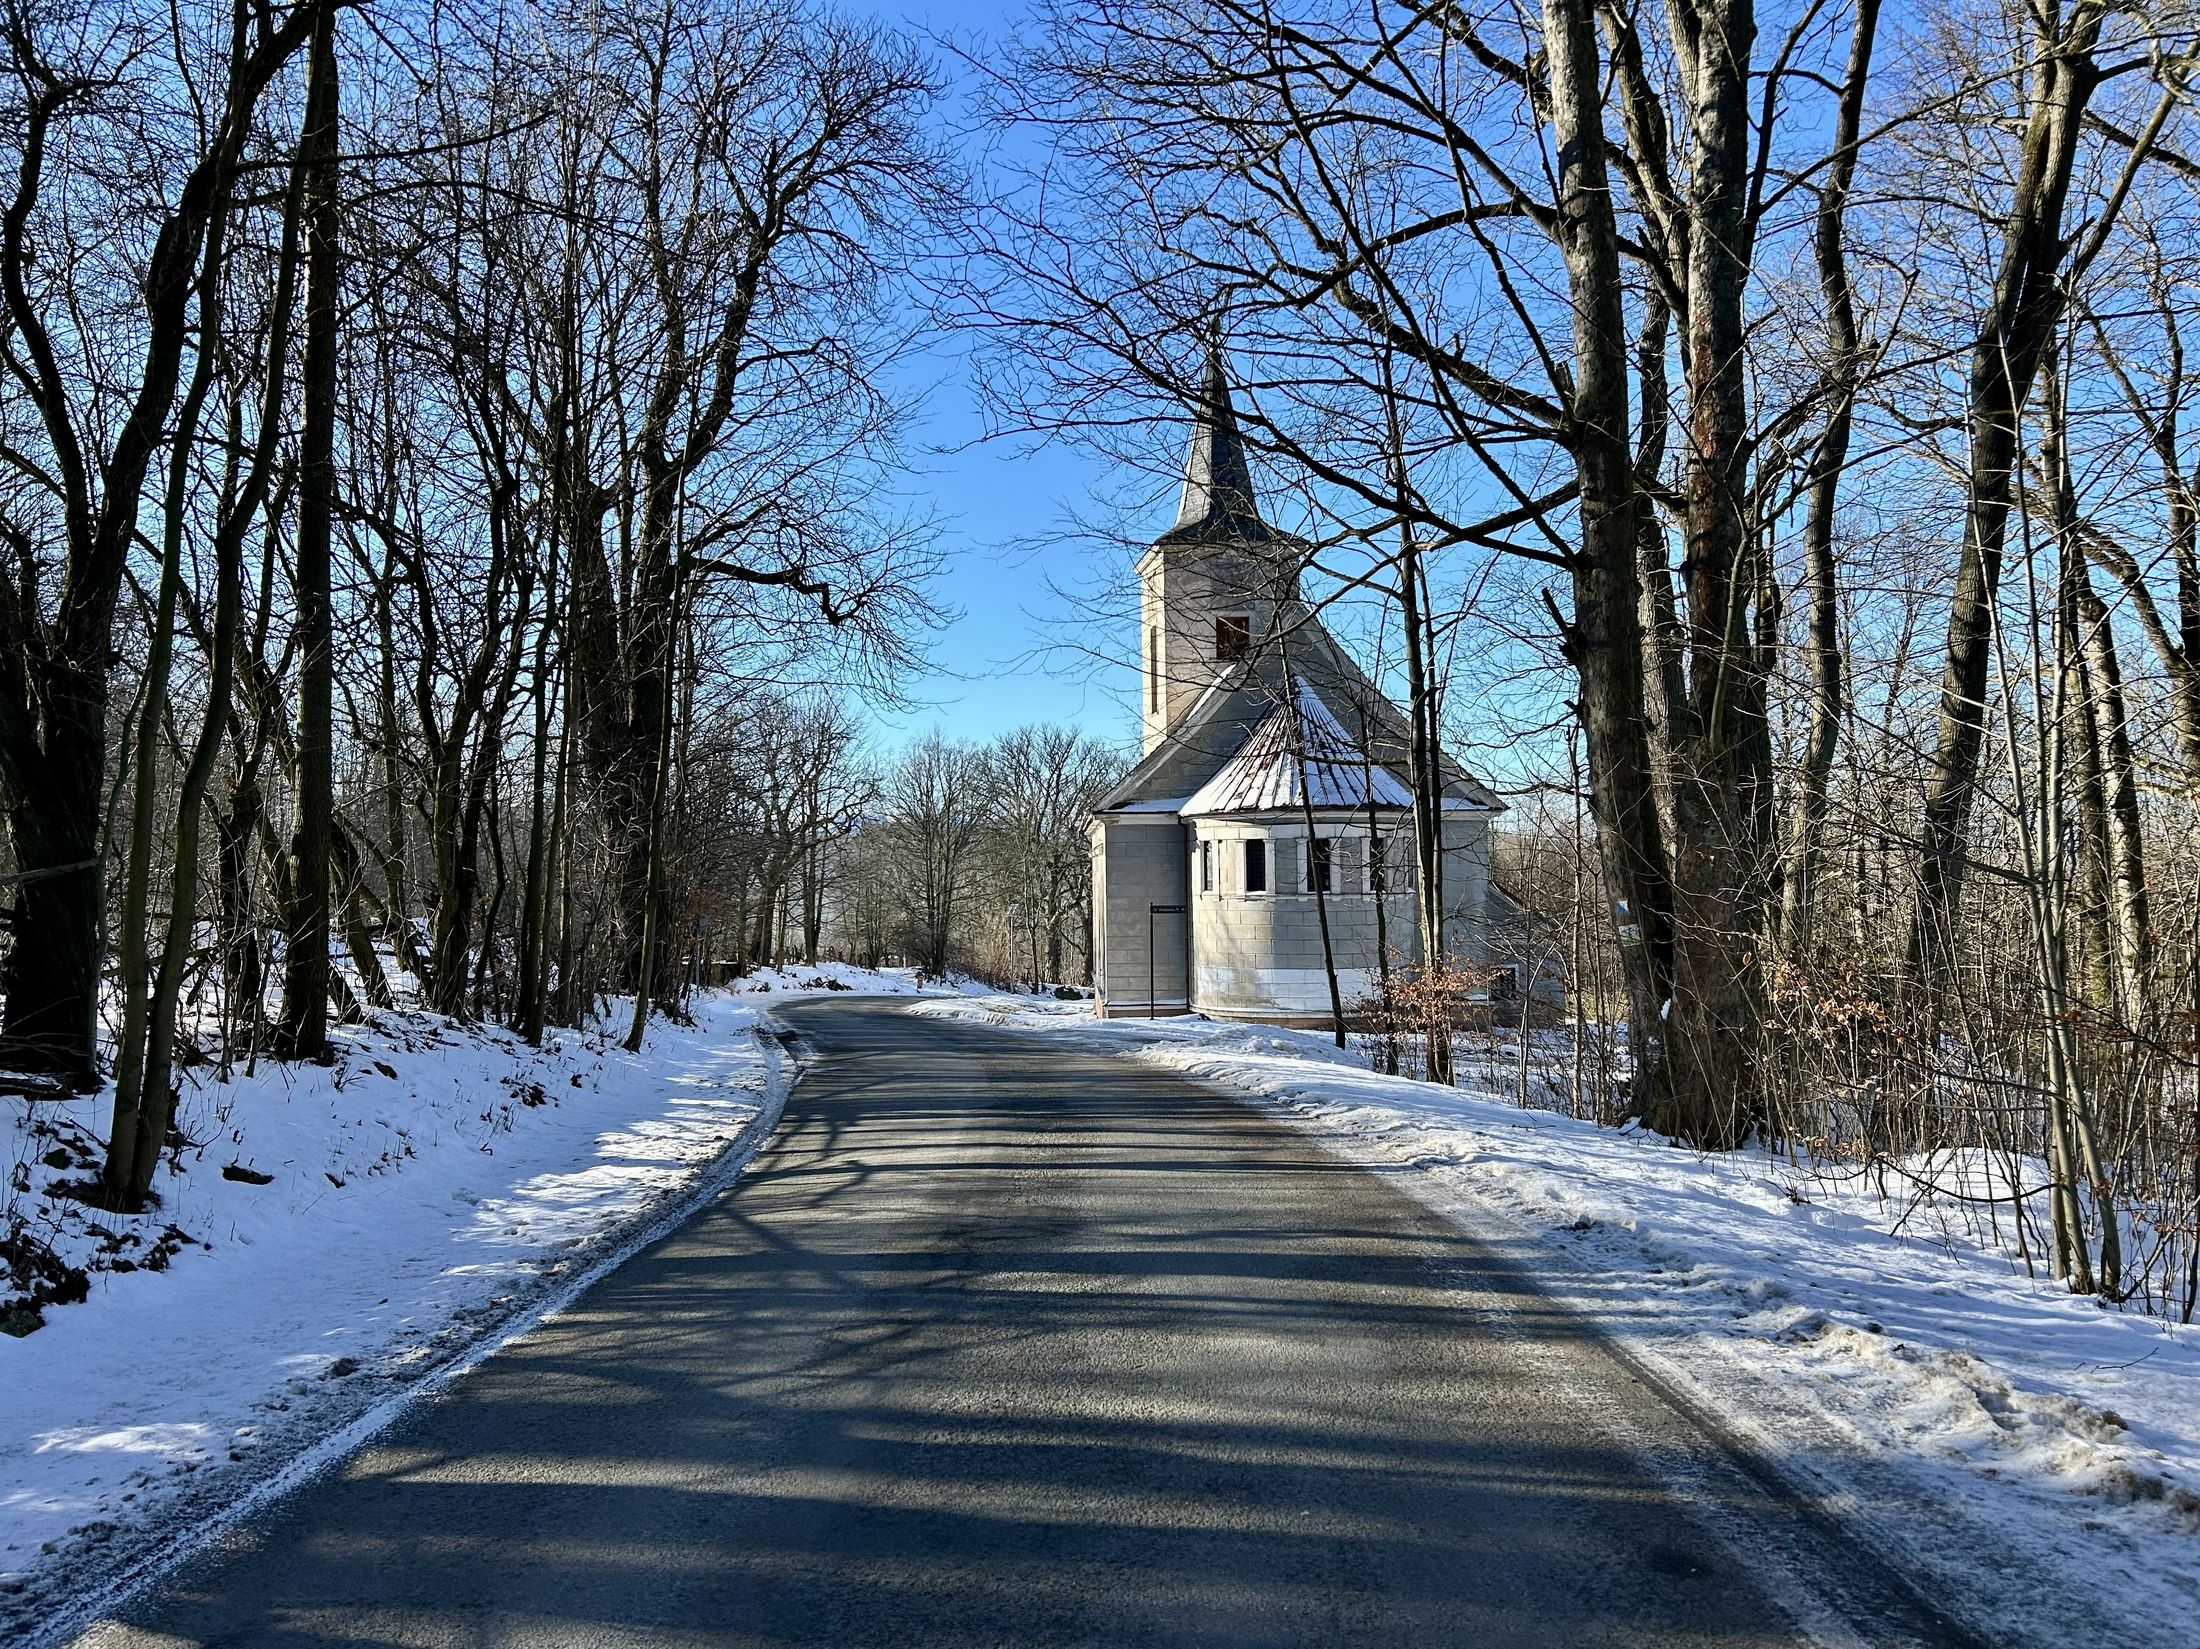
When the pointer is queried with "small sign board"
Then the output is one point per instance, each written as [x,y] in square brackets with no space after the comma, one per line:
[1165,910]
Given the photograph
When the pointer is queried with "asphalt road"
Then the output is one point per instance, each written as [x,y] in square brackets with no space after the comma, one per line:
[998,1345]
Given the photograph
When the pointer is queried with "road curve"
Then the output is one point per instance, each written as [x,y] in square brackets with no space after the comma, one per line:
[998,1345]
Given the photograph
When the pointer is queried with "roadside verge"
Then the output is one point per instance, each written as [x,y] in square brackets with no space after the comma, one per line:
[680,1124]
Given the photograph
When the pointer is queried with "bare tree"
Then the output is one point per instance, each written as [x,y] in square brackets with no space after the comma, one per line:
[936,802]
[89,440]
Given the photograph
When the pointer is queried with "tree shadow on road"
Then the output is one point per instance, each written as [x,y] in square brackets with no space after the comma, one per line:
[1020,1350]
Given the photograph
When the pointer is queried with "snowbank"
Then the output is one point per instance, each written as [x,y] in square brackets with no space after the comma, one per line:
[846,976]
[430,1187]
[2015,1441]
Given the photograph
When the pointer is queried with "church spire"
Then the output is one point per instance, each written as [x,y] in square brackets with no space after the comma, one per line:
[1218,485]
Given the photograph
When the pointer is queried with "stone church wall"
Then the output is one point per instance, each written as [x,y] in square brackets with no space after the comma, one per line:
[1139,863]
[1259,956]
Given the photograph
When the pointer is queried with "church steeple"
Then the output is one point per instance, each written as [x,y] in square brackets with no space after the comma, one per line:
[1218,501]
[1211,584]
[1218,484]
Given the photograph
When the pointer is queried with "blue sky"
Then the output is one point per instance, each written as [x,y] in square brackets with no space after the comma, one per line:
[1036,539]
[1008,512]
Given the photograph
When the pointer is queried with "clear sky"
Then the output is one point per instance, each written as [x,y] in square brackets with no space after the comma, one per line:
[1008,512]
[1020,648]
[1046,627]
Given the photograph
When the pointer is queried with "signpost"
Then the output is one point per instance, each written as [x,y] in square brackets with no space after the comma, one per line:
[1151,912]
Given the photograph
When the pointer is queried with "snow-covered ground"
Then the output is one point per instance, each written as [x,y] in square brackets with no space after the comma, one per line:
[435,1189]
[846,976]
[2034,1454]
[332,1241]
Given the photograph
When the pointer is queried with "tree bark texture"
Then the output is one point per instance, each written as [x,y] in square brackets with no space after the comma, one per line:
[302,1028]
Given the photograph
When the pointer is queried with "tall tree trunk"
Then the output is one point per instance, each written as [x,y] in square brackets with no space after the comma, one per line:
[1721,751]
[487,997]
[2126,844]
[1664,680]
[457,880]
[2077,750]
[527,1017]
[137,1128]
[2019,326]
[564,1007]
[2073,1152]
[655,923]
[1424,763]
[302,1031]
[1603,640]
[529,1012]
[396,854]
[160,1034]
[2080,733]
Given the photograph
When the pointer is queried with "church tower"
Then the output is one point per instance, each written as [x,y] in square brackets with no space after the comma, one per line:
[1209,586]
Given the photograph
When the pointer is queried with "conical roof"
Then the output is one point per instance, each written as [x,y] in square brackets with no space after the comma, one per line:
[1296,757]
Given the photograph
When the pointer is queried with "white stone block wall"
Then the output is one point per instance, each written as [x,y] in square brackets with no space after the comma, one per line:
[1467,884]
[1260,955]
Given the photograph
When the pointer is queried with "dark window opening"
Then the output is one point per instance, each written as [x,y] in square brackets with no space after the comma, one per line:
[1206,867]
[1321,856]
[1233,638]
[1153,669]
[1256,866]
[1504,984]
[1378,870]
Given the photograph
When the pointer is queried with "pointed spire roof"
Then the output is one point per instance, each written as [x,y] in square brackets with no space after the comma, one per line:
[1218,499]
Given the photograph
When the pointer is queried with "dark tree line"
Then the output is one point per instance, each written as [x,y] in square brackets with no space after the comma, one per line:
[426,442]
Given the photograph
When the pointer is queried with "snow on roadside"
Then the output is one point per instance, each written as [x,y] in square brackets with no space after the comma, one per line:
[420,1192]
[846,976]
[2012,1440]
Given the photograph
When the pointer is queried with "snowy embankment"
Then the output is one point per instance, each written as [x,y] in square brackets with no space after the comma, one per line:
[329,1242]
[2033,1456]
[846,976]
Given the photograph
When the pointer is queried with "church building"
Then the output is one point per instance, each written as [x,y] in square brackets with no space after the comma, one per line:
[1272,790]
